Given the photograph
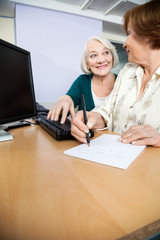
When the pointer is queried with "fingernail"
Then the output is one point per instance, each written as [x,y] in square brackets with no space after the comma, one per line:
[89,125]
[124,140]
[119,139]
[133,142]
[86,131]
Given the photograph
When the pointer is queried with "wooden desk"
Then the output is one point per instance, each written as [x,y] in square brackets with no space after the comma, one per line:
[47,195]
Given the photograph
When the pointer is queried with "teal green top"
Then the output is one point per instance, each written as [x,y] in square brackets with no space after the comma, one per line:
[82,85]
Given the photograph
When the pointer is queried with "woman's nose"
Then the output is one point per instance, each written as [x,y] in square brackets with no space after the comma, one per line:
[100,59]
[124,45]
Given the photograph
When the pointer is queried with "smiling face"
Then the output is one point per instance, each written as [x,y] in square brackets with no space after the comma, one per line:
[135,46]
[99,58]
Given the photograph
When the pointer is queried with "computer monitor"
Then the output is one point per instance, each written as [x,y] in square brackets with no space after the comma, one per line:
[17,97]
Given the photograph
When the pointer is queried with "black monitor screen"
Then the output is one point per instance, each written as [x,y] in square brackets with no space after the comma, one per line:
[17,98]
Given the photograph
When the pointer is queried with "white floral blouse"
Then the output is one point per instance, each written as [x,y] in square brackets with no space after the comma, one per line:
[123,110]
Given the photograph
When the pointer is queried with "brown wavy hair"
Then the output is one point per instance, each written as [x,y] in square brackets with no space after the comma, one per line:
[145,21]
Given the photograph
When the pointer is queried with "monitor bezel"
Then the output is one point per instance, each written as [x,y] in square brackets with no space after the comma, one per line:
[27,115]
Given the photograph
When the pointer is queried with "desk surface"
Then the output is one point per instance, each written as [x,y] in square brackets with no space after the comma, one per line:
[45,194]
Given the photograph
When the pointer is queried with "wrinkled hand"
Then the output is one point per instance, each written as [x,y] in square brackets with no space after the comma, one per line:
[62,106]
[141,135]
[79,129]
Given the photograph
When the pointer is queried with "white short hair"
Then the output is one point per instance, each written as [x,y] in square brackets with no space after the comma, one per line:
[107,44]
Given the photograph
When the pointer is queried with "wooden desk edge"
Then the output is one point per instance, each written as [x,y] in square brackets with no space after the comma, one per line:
[144,232]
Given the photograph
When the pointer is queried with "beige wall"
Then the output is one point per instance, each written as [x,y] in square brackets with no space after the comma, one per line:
[7,31]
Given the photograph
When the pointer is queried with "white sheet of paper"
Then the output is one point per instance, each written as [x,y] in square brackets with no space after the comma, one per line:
[107,150]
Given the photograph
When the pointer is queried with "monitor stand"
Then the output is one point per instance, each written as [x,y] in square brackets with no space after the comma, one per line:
[5,136]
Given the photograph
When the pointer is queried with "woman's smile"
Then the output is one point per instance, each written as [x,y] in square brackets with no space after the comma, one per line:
[102,66]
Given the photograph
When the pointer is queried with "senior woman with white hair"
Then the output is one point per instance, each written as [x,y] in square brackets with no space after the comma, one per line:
[98,58]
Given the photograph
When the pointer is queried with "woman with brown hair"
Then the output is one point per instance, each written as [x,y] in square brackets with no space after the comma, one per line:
[134,109]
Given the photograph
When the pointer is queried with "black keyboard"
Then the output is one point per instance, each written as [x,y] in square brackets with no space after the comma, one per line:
[54,128]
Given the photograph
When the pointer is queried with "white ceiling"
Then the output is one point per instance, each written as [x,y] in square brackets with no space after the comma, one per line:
[109,11]
[101,9]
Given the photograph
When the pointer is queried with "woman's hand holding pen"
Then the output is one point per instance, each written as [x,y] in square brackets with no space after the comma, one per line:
[79,128]
[62,106]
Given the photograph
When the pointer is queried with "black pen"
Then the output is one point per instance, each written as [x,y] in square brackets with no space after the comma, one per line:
[85,117]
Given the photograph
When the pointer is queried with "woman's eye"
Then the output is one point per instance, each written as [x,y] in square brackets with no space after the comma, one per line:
[128,32]
[106,52]
[92,55]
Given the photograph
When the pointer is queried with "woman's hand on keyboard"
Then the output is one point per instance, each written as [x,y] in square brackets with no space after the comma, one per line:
[62,106]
